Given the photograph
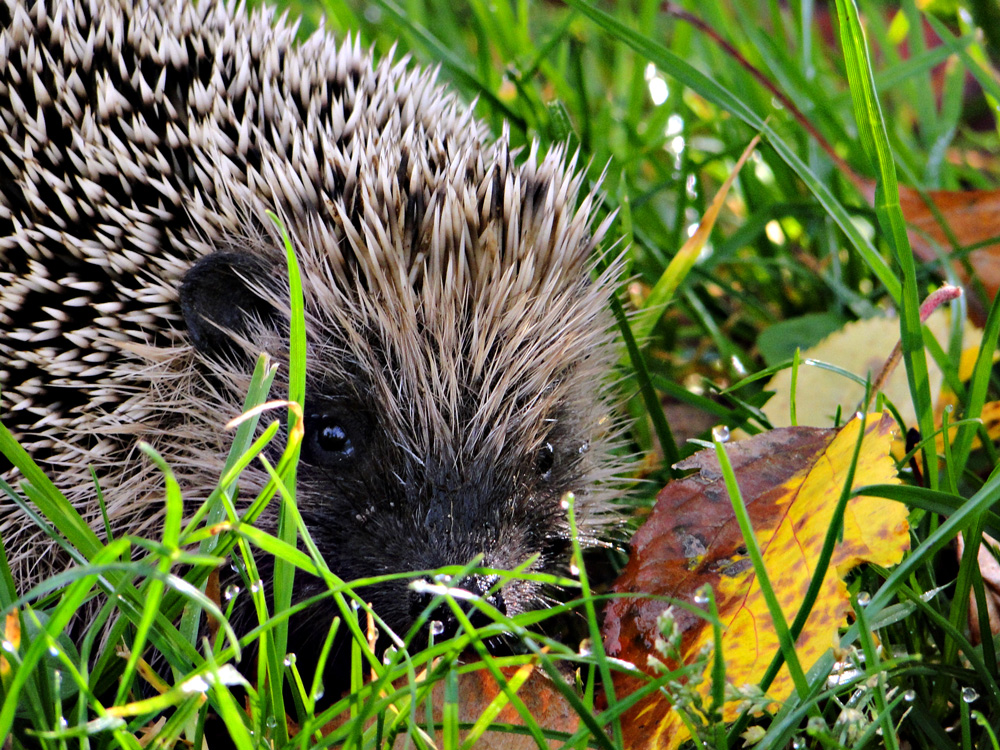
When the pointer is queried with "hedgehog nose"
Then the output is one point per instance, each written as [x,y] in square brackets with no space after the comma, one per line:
[444,623]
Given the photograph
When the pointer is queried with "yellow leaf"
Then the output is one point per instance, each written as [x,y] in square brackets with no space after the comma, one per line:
[861,348]
[790,480]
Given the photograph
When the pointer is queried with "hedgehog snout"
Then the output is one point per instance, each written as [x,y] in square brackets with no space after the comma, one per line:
[443,620]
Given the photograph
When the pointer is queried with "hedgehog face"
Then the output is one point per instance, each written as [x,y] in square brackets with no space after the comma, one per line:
[373,508]
[379,487]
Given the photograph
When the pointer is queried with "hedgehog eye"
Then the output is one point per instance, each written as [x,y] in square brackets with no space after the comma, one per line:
[544,460]
[326,439]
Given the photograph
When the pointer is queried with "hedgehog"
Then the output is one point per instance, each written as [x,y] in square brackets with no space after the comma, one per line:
[458,335]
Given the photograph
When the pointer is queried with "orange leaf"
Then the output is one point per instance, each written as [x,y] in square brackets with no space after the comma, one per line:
[790,480]
[11,635]
[479,693]
[972,217]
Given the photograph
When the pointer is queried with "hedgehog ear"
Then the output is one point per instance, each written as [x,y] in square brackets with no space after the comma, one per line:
[216,300]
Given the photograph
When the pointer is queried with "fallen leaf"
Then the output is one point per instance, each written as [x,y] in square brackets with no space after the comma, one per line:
[860,347]
[11,635]
[790,480]
[989,568]
[479,694]
[973,216]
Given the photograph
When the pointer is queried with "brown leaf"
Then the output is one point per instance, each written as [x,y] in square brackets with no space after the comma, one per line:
[790,480]
[989,568]
[973,217]
[477,690]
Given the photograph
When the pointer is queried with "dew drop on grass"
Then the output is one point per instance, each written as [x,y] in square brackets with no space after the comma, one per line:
[798,743]
[318,695]
[864,598]
[7,646]
[290,659]
[701,596]
[271,722]
[909,696]
[232,590]
[969,694]
[256,586]
[53,651]
[437,627]
[196,684]
[720,433]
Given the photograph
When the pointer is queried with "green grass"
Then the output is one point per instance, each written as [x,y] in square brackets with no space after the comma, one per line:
[796,253]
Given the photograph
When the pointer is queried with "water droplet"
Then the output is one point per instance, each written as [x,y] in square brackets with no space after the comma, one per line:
[53,651]
[969,694]
[389,654]
[257,586]
[318,695]
[701,596]
[290,659]
[232,590]
[584,448]
[271,722]
[196,684]
[574,569]
[720,433]
[798,743]
[909,696]
[437,627]
[864,598]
